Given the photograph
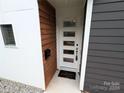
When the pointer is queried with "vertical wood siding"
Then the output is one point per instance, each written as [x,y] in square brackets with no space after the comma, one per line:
[48,34]
[105,61]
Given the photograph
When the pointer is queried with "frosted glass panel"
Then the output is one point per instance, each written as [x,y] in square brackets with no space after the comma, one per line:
[69,34]
[68,52]
[69,24]
[68,43]
[70,60]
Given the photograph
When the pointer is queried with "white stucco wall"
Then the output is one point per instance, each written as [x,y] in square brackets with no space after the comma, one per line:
[22,63]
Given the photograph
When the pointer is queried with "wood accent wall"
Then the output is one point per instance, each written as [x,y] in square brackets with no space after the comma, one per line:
[48,34]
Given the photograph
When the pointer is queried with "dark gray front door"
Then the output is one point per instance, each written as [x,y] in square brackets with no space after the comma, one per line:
[105,61]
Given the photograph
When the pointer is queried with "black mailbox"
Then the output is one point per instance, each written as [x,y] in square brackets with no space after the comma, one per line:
[47,53]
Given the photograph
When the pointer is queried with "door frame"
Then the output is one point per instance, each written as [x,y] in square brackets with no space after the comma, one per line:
[59,23]
[86,42]
[78,32]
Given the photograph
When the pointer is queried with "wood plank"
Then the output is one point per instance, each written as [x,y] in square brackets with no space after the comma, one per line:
[48,38]
[48,41]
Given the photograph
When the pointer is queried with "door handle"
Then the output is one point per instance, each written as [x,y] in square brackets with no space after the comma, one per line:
[76,58]
[76,54]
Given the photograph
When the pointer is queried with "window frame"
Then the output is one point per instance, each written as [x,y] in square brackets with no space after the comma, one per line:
[8,43]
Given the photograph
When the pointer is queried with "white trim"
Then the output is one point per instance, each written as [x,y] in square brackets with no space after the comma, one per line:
[58,46]
[77,39]
[86,42]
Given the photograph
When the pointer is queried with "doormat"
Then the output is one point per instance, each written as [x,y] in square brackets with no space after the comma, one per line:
[67,74]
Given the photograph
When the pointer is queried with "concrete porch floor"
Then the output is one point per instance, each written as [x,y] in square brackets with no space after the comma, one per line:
[63,85]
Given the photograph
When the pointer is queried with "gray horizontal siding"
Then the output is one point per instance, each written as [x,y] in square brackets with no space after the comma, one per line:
[111,67]
[105,72]
[107,32]
[112,54]
[104,78]
[98,91]
[100,82]
[108,16]
[105,61]
[108,24]
[107,40]
[107,47]
[119,6]
[105,1]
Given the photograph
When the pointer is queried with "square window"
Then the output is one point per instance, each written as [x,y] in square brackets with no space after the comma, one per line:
[69,34]
[69,60]
[68,52]
[68,43]
[8,35]
[69,24]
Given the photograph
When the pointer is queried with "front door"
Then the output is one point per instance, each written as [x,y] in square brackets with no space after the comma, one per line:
[70,48]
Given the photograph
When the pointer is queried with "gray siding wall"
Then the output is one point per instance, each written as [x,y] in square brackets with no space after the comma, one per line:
[105,61]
